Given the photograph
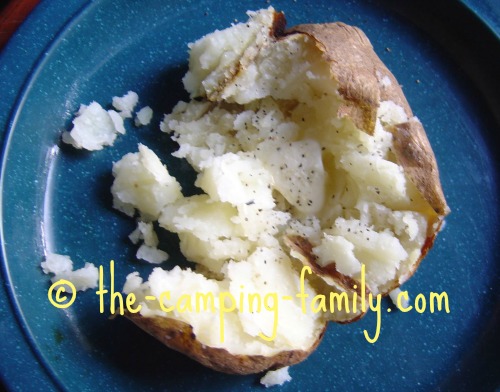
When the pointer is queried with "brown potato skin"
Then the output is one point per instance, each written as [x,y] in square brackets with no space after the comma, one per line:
[354,65]
[179,336]
[413,152]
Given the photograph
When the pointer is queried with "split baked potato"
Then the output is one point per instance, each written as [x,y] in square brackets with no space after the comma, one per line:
[307,154]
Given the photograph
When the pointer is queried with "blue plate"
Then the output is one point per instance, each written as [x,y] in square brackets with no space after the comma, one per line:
[54,198]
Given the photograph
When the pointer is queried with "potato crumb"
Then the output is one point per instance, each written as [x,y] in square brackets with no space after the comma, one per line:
[94,128]
[276,377]
[144,231]
[151,254]
[143,116]
[148,251]
[62,268]
[132,283]
[117,121]
[125,105]
[56,264]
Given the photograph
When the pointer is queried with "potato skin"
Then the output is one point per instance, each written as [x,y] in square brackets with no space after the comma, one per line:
[357,69]
[413,152]
[179,336]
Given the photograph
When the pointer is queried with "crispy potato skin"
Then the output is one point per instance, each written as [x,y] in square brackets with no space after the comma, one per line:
[413,152]
[179,336]
[357,69]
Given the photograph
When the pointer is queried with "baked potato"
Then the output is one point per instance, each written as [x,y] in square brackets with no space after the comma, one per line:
[308,155]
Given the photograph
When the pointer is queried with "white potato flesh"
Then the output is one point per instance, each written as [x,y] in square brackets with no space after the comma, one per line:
[94,128]
[300,74]
[61,266]
[237,179]
[268,272]
[276,377]
[213,254]
[184,292]
[143,183]
[151,254]
[143,116]
[144,231]
[213,57]
[200,216]
[340,251]
[126,104]
[255,222]
[297,170]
